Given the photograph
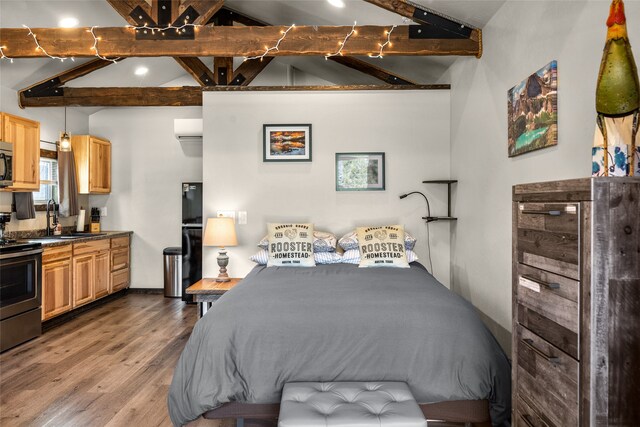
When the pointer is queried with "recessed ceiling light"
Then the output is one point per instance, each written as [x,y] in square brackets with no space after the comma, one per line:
[141,71]
[68,22]
[336,3]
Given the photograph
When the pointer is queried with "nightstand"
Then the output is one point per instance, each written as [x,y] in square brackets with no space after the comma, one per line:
[207,291]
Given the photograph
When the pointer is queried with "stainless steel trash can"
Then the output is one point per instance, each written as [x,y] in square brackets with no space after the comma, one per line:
[173,272]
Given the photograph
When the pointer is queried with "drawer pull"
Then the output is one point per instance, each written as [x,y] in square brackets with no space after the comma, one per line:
[550,213]
[550,359]
[550,286]
[527,420]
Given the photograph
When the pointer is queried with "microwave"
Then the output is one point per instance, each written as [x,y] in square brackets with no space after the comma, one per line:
[6,164]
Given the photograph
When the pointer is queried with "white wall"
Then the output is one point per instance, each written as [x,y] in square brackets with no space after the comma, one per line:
[148,166]
[521,38]
[51,124]
[411,127]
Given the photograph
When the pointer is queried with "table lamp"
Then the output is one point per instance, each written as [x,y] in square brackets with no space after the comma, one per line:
[221,232]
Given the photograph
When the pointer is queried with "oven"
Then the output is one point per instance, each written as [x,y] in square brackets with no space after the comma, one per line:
[20,293]
[6,164]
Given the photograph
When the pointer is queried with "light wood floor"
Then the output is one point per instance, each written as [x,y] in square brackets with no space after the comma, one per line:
[111,366]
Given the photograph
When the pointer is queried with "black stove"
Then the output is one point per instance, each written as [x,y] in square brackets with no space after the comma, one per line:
[13,246]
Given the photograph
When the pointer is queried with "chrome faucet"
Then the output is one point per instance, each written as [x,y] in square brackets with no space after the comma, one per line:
[55,217]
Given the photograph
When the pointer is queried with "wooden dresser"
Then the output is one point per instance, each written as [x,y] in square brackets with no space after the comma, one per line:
[576,303]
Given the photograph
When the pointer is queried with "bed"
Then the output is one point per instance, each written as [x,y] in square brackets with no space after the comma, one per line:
[340,323]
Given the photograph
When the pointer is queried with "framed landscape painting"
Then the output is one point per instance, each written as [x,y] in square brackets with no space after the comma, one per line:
[360,172]
[533,111]
[287,143]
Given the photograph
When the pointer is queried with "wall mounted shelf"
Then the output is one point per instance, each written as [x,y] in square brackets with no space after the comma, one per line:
[448,182]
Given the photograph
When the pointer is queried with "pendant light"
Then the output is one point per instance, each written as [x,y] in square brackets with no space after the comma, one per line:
[65,139]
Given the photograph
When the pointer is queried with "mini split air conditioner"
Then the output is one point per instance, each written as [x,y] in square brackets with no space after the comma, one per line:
[188,130]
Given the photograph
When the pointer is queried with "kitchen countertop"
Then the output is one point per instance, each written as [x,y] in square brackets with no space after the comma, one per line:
[51,242]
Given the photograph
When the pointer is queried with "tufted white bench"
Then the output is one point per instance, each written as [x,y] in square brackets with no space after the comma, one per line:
[349,404]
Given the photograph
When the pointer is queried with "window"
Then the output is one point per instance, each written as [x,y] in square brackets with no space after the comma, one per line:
[48,182]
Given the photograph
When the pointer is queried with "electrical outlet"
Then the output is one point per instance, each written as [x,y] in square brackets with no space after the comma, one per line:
[242,217]
[103,211]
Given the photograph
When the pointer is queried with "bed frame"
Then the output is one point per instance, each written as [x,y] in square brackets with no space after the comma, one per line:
[470,412]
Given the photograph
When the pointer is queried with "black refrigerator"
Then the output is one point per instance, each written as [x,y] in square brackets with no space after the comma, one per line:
[192,229]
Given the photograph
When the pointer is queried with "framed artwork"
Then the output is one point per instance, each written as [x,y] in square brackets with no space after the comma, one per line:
[360,172]
[286,143]
[533,111]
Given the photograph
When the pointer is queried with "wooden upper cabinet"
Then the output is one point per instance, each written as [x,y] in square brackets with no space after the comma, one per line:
[93,164]
[25,136]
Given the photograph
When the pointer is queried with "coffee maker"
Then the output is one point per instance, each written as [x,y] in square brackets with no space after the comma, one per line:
[5,217]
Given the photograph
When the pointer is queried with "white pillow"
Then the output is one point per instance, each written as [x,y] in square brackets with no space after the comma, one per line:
[352,256]
[382,246]
[262,257]
[350,241]
[322,242]
[290,245]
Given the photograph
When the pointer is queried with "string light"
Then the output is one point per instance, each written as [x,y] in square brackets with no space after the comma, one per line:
[40,48]
[182,28]
[344,42]
[3,54]
[383,45]
[96,39]
[276,47]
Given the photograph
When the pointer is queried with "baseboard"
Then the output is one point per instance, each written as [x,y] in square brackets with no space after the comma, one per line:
[70,315]
[153,291]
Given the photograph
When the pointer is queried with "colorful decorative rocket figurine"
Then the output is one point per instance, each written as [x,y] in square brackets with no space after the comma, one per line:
[616,147]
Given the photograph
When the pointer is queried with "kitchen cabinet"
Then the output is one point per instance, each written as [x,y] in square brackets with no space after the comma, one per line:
[24,134]
[56,281]
[78,273]
[93,164]
[83,280]
[120,276]
[102,274]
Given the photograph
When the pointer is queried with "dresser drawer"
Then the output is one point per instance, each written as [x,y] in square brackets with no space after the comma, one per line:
[548,237]
[547,378]
[552,308]
[525,416]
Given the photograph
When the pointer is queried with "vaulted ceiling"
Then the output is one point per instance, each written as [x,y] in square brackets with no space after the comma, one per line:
[25,72]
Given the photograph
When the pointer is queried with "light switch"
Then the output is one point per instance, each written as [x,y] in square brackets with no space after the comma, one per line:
[103,211]
[242,217]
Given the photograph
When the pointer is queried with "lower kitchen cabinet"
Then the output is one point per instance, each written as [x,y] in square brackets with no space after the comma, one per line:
[77,274]
[102,274]
[56,287]
[83,280]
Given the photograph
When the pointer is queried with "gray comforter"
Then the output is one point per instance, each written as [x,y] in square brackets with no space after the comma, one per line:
[339,323]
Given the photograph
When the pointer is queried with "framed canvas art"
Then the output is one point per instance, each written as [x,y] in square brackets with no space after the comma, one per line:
[533,111]
[287,143]
[360,172]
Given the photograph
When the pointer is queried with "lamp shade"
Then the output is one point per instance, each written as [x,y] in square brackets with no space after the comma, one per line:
[221,232]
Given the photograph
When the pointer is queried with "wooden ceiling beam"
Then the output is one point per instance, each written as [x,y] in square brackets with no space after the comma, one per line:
[432,24]
[117,42]
[205,8]
[50,85]
[126,7]
[176,96]
[249,70]
[223,69]
[372,70]
[198,70]
[119,97]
